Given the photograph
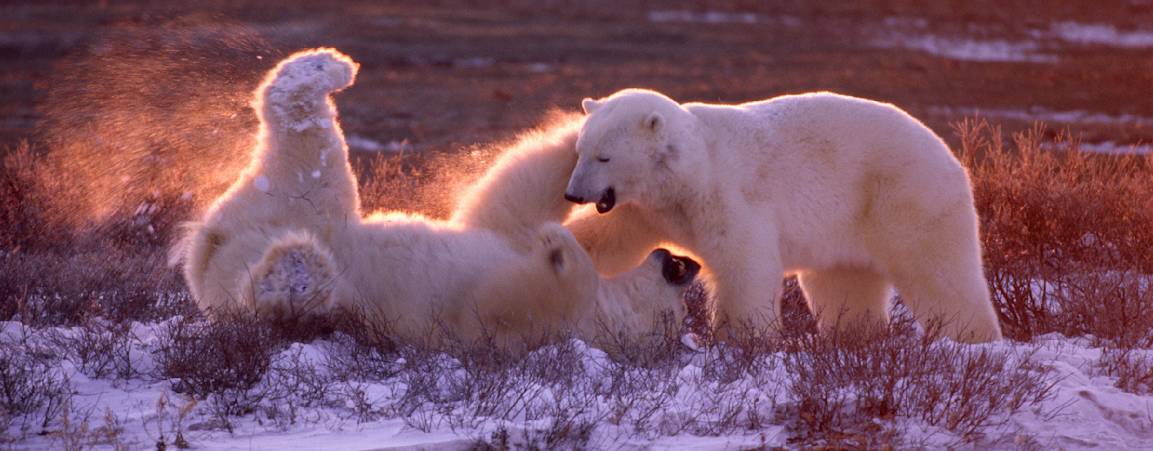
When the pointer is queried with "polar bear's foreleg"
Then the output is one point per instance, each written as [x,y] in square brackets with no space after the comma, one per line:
[295,277]
[616,242]
[847,298]
[747,294]
[302,154]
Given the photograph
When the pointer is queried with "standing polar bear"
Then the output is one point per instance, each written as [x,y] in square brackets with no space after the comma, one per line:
[288,239]
[853,196]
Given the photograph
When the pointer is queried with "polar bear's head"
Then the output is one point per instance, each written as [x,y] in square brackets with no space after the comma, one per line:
[630,147]
[639,301]
[634,302]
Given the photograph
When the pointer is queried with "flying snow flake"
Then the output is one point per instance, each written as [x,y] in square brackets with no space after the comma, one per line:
[261,183]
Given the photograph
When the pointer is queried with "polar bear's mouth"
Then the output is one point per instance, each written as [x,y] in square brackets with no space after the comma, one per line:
[607,201]
[677,270]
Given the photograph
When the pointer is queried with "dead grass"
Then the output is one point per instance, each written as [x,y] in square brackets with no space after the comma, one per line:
[98,347]
[33,391]
[222,361]
[848,388]
[1132,368]
[1065,234]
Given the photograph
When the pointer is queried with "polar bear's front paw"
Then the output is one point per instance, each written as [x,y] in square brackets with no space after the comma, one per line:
[323,69]
[293,280]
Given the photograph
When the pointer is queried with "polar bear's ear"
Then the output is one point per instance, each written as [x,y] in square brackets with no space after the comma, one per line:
[589,105]
[556,258]
[654,122]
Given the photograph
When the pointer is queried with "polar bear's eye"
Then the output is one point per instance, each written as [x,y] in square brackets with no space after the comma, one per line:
[603,159]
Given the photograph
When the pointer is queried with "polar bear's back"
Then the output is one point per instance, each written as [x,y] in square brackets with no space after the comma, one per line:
[837,139]
[852,125]
[829,162]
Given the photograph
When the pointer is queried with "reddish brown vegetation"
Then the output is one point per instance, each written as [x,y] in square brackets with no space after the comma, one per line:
[1066,234]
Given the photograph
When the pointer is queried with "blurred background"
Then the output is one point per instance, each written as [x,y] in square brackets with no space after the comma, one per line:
[134,115]
[439,75]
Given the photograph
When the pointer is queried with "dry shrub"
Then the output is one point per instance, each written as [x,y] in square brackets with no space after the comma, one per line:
[98,347]
[846,388]
[1065,233]
[1132,368]
[362,350]
[222,360]
[661,345]
[53,272]
[237,362]
[33,391]
[428,183]
[51,287]
[23,202]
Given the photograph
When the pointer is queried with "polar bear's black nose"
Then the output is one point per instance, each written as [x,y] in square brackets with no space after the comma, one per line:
[574,198]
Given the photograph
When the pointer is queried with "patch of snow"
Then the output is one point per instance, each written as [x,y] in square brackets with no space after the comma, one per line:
[261,183]
[965,48]
[918,23]
[1114,148]
[1045,115]
[479,62]
[1086,411]
[395,146]
[710,17]
[370,145]
[1101,34]
[539,67]
[363,143]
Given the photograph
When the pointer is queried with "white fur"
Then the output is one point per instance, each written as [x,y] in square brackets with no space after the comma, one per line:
[852,195]
[280,243]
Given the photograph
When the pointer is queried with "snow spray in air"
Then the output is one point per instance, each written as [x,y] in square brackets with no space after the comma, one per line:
[151,117]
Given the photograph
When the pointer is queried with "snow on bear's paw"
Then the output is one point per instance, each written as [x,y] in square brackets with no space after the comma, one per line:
[318,71]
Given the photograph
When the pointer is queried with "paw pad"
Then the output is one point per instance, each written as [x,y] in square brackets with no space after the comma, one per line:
[294,280]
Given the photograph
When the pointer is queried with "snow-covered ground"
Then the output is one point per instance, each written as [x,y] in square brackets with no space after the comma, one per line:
[988,45]
[1085,410]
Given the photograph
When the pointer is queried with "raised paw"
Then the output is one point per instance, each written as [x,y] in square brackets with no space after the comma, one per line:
[318,70]
[294,279]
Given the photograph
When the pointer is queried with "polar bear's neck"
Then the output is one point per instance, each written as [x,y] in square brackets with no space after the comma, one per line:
[610,314]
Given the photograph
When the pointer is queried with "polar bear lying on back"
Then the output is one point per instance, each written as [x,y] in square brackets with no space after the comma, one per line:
[854,196]
[289,239]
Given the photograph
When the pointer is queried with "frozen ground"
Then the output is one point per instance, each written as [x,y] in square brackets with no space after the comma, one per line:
[1085,410]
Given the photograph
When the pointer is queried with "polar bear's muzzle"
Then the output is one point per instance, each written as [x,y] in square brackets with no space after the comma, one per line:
[608,200]
[676,270]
